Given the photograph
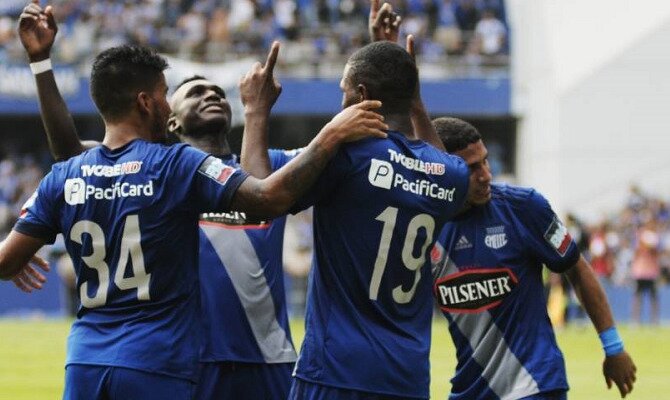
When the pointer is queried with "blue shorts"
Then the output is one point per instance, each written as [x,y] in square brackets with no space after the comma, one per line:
[553,395]
[303,390]
[240,381]
[91,382]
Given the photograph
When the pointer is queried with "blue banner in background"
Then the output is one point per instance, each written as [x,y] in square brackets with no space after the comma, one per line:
[475,97]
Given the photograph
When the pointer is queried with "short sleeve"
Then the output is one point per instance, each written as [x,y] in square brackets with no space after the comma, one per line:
[547,236]
[279,158]
[215,184]
[336,170]
[39,216]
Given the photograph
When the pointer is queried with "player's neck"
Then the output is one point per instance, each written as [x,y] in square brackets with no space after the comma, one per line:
[119,133]
[212,144]
[400,123]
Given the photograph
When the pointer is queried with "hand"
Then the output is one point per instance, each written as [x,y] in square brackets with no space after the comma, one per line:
[620,369]
[259,89]
[383,23]
[358,122]
[29,278]
[37,30]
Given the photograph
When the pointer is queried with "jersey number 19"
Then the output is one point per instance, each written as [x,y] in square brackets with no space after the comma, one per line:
[389,217]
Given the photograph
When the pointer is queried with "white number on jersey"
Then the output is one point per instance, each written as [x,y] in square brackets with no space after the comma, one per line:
[389,217]
[130,246]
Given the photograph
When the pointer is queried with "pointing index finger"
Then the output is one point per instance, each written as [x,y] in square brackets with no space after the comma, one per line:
[410,46]
[374,8]
[272,58]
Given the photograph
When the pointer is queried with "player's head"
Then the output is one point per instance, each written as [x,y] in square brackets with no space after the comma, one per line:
[128,81]
[380,71]
[199,107]
[462,139]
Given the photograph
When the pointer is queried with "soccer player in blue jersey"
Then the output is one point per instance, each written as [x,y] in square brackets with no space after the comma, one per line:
[377,207]
[488,282]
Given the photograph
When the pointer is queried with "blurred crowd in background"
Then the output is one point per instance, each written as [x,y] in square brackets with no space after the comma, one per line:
[314,32]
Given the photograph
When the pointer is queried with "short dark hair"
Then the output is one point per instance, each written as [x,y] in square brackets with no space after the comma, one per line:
[119,74]
[388,72]
[189,79]
[455,133]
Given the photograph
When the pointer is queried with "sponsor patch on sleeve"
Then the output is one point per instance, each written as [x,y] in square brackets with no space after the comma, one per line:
[558,237]
[29,203]
[215,169]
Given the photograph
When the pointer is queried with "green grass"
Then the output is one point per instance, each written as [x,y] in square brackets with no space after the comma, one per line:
[32,354]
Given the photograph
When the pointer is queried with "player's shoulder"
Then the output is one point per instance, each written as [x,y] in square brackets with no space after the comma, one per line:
[516,196]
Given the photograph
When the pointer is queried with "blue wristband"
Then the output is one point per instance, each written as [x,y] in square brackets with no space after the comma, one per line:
[611,341]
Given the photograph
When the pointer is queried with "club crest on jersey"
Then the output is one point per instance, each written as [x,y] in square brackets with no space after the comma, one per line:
[216,169]
[462,244]
[495,237]
[475,290]
[558,237]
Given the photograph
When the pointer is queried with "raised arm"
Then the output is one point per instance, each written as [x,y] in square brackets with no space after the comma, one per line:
[37,31]
[259,91]
[384,24]
[274,195]
[618,367]
[423,127]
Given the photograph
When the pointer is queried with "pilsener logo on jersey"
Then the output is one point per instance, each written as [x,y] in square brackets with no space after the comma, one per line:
[382,175]
[475,290]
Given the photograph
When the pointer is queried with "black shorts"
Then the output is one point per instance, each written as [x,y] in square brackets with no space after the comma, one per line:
[646,285]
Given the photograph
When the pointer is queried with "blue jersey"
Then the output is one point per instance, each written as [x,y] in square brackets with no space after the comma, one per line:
[242,283]
[488,270]
[130,221]
[377,208]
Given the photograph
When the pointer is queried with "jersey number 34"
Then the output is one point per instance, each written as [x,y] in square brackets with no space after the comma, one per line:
[130,247]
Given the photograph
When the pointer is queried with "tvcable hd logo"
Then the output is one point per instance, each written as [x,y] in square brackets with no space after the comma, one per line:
[109,171]
[382,175]
[429,168]
[77,191]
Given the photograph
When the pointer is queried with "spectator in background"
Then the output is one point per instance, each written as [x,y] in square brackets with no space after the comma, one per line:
[447,32]
[490,36]
[285,16]
[218,36]
[467,15]
[601,255]
[646,269]
[193,26]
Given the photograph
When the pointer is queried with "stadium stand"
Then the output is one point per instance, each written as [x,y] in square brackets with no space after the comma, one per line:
[452,33]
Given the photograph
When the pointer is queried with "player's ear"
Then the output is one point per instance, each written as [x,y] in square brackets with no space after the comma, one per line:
[144,102]
[362,92]
[173,125]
